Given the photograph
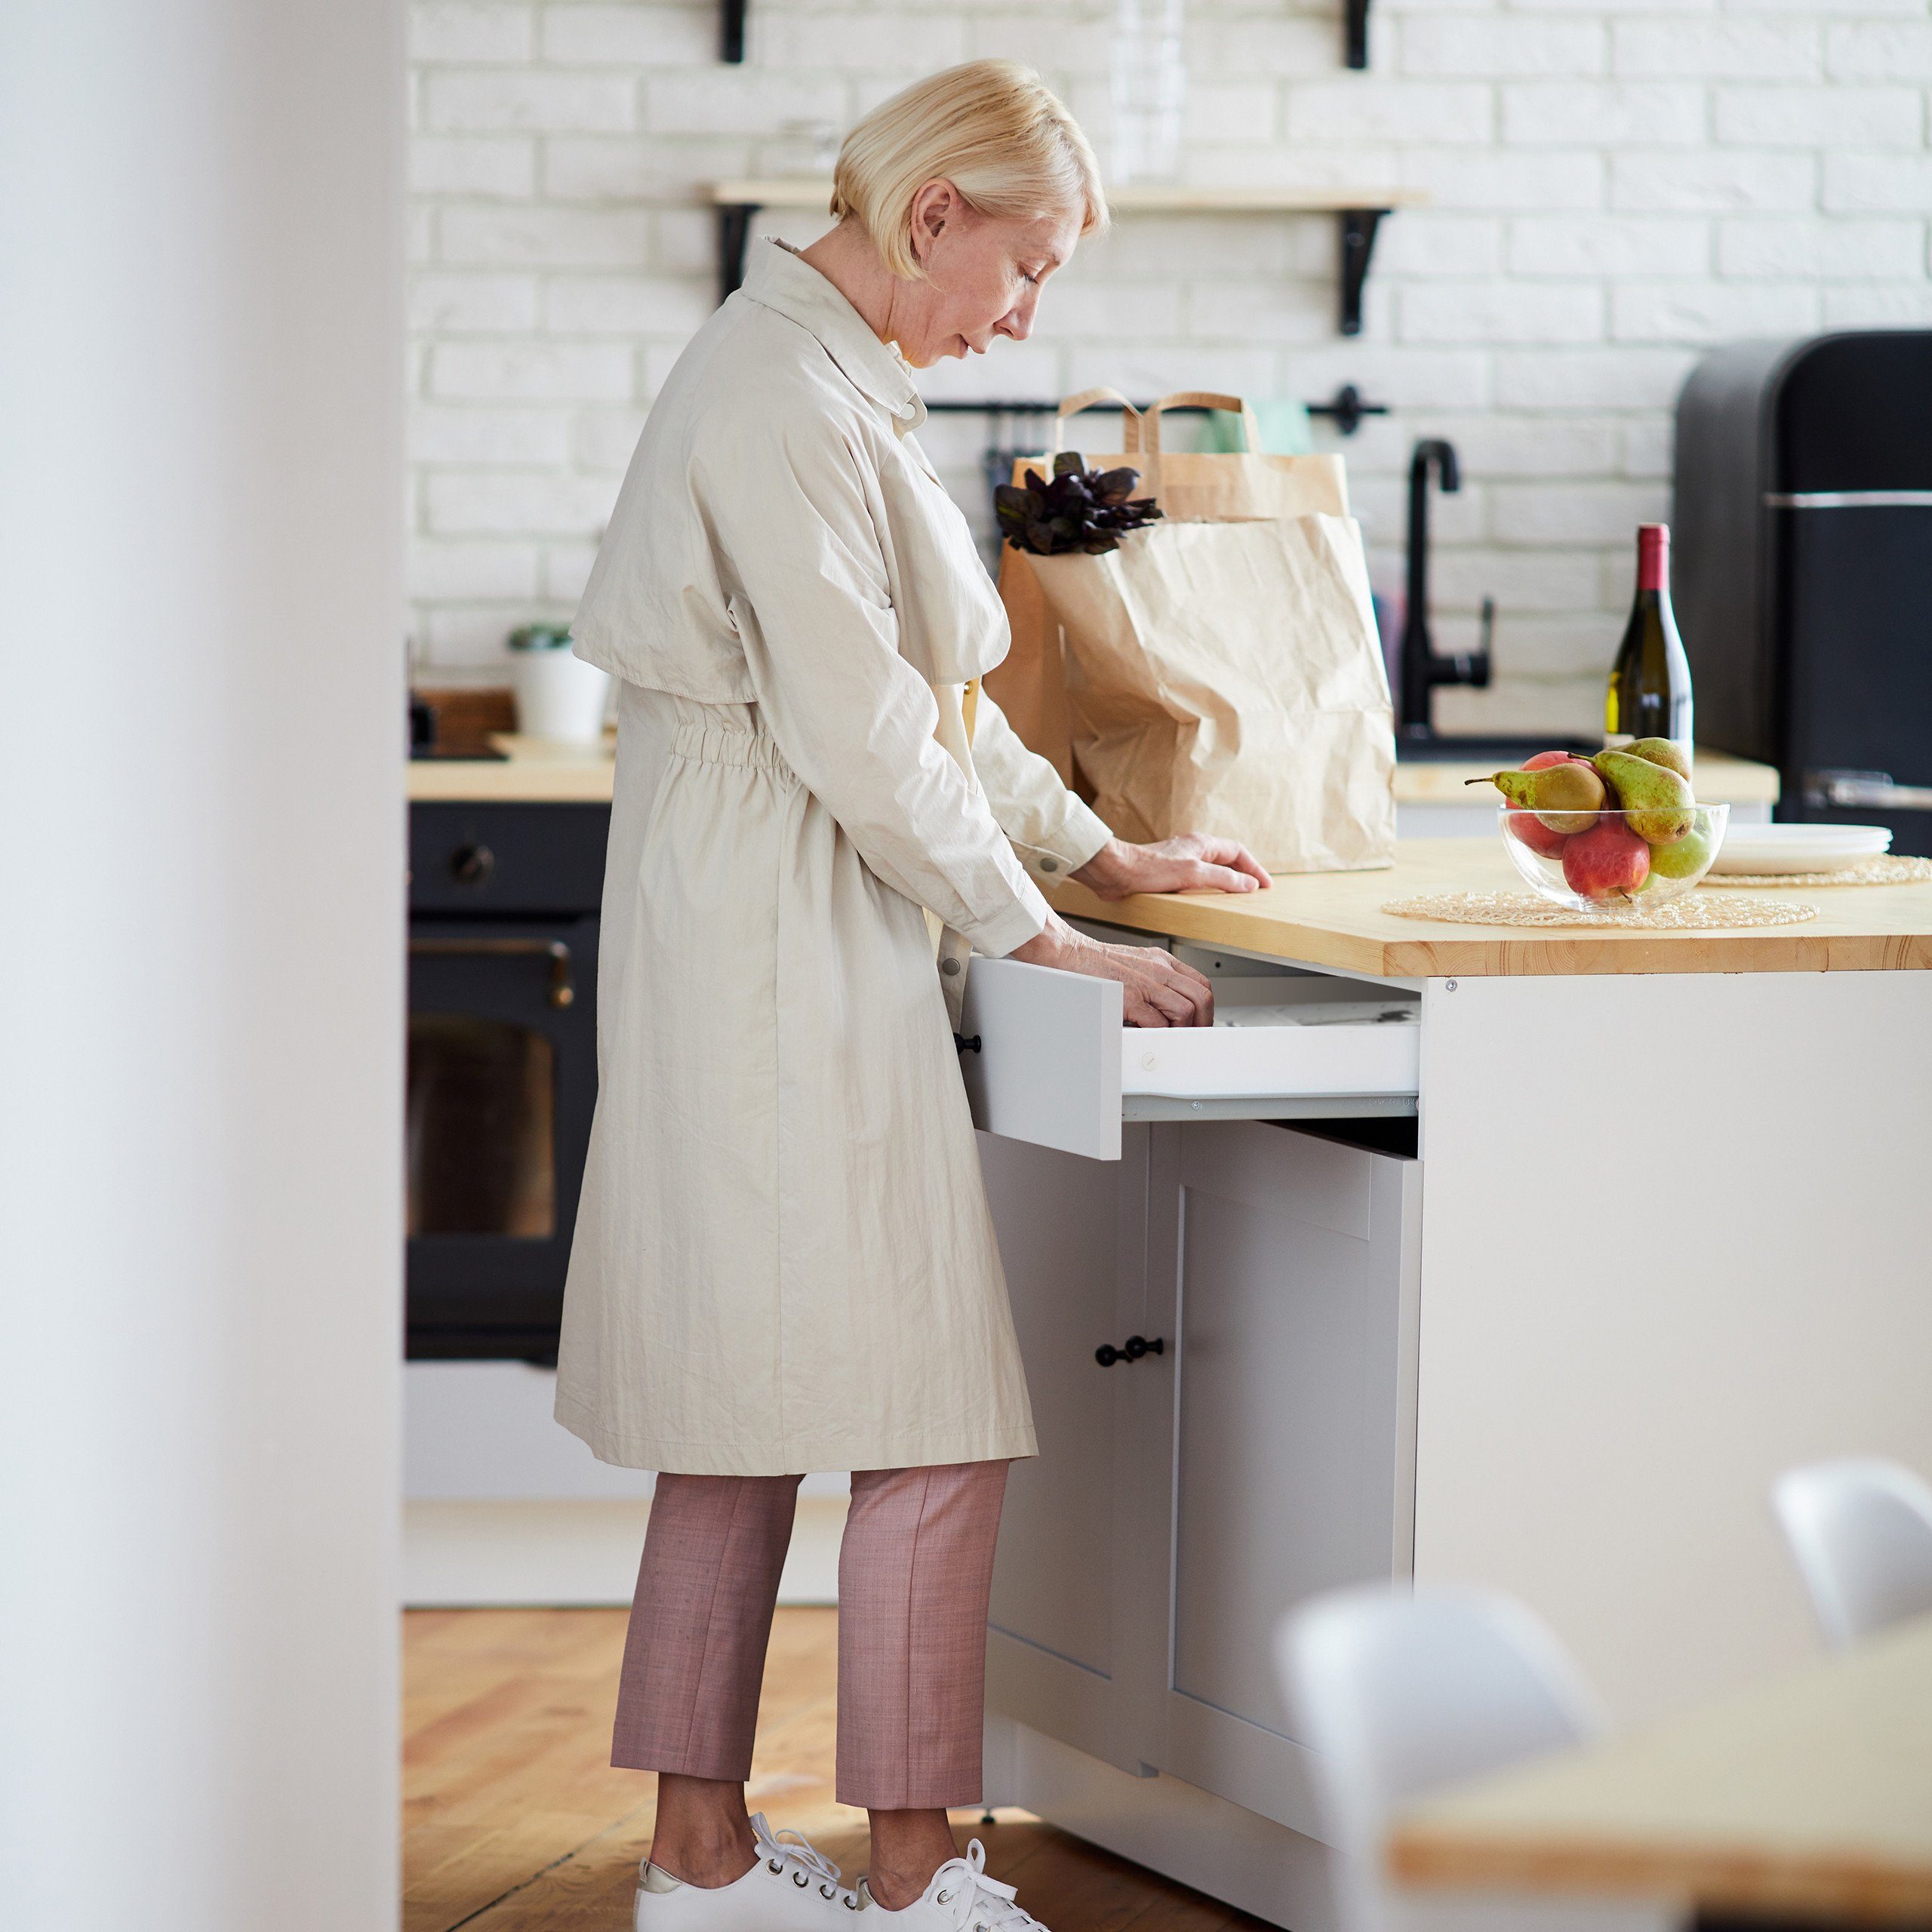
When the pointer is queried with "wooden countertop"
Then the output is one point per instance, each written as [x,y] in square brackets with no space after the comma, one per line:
[1722,780]
[537,769]
[1810,1797]
[1334,919]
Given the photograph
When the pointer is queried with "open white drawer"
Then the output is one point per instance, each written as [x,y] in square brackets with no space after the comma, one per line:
[1054,1065]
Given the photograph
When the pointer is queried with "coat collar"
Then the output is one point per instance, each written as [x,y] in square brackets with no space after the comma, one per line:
[779,278]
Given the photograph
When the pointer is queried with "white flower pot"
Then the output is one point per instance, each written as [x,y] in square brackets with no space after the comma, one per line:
[558,696]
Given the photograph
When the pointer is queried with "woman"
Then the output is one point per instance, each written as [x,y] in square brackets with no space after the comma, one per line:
[784,1259]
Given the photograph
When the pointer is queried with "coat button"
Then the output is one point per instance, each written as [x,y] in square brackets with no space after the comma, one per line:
[949,966]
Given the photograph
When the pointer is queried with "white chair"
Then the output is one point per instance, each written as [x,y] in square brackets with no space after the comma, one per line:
[1396,1694]
[1861,1533]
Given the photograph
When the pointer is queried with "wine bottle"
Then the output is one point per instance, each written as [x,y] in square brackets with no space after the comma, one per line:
[1650,683]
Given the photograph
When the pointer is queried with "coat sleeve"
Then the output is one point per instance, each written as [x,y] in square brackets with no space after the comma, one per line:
[804,577]
[1050,827]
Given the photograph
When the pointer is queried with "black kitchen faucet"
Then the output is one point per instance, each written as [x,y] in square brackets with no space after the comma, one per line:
[1422,669]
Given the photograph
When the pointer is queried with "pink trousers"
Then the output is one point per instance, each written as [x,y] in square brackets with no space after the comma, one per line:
[914,1572]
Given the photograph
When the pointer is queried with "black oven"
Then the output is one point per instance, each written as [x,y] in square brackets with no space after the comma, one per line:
[503,1068]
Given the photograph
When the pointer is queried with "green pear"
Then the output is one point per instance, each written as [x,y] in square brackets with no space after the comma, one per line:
[1667,752]
[1688,857]
[1564,798]
[1656,802]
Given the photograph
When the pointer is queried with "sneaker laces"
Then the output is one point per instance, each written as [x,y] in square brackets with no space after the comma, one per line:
[976,1902]
[802,1859]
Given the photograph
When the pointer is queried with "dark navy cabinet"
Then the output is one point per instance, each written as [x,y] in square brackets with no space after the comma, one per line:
[503,1068]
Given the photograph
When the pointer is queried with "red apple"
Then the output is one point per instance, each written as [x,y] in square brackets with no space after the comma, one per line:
[1528,829]
[1543,760]
[1609,861]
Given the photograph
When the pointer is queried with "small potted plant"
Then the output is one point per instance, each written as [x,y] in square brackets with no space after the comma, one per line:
[558,696]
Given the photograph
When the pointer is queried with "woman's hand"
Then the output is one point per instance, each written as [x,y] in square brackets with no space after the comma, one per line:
[1192,863]
[1157,990]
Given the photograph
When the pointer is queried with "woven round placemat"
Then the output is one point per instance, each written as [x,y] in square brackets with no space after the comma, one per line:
[1886,870]
[1695,911]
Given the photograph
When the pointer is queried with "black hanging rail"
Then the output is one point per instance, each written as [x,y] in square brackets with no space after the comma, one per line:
[1345,406]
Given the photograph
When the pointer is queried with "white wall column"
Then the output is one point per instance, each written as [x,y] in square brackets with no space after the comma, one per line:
[201,962]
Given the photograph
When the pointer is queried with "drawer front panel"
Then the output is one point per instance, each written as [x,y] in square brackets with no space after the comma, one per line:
[507,859]
[1047,1067]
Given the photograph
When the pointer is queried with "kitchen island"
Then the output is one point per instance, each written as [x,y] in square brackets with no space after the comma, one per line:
[1648,1226]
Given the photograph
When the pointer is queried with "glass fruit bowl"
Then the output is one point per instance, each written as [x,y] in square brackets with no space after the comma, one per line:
[1608,862]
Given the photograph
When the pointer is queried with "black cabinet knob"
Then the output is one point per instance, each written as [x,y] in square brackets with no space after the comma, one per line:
[1132,1349]
[473,865]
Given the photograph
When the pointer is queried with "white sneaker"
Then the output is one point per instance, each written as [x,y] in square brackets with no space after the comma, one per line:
[961,1898]
[791,1888]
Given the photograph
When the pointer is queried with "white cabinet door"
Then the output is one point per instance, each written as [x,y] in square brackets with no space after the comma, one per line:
[1046,1059]
[1288,1263]
[1071,1569]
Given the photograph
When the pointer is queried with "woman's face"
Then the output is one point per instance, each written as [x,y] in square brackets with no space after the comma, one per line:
[984,276]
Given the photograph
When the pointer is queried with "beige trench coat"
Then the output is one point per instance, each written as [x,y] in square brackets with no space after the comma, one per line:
[784,1258]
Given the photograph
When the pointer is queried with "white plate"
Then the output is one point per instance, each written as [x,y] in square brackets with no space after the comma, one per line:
[1799,848]
[1747,834]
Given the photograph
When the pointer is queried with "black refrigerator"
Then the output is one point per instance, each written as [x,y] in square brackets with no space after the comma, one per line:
[1803,533]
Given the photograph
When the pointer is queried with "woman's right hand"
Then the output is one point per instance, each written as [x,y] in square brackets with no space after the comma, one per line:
[1157,990]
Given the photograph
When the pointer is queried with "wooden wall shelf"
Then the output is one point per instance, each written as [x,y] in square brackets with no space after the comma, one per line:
[1359,212]
[1354,32]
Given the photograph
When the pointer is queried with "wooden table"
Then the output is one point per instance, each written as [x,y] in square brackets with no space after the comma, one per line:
[1808,1796]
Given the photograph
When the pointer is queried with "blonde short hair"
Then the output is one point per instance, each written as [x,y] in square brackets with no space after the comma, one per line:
[993,129]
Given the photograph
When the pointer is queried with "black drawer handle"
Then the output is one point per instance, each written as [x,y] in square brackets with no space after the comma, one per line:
[473,865]
[563,987]
[961,1044]
[1132,1349]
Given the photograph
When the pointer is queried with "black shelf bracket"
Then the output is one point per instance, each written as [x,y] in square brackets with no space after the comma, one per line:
[1359,227]
[731,31]
[1354,32]
[734,234]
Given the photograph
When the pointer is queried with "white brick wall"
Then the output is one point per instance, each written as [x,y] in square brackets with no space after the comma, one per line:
[1615,184]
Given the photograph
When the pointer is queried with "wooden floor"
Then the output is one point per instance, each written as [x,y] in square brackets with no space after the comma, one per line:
[513,1819]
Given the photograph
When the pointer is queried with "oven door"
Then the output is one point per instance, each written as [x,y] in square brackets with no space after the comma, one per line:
[502,1078]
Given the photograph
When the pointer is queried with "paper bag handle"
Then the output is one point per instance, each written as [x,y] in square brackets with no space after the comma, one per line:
[1251,424]
[1130,417]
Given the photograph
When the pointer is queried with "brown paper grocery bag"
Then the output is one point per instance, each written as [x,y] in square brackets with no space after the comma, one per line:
[1226,678]
[1030,684]
[1030,687]
[1213,487]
